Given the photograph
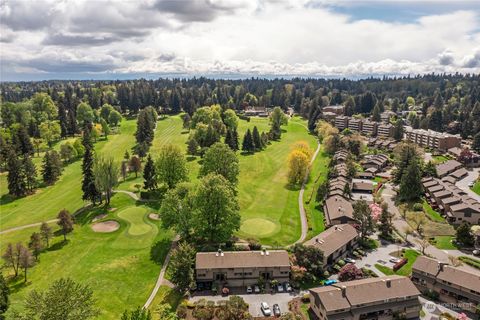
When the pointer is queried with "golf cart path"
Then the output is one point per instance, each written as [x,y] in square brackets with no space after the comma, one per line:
[301,208]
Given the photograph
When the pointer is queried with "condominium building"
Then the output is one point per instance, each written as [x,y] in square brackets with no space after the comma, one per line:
[355,124]
[456,285]
[339,110]
[433,139]
[369,127]
[372,298]
[385,130]
[242,268]
[341,122]
[335,242]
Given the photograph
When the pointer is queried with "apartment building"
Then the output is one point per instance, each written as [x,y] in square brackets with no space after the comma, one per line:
[452,284]
[369,127]
[372,298]
[385,130]
[355,124]
[432,139]
[341,122]
[339,110]
[335,242]
[242,268]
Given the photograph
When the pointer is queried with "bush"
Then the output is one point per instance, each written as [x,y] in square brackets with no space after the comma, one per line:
[326,274]
[254,244]
[306,298]
[471,261]
[417,207]
[432,295]
[341,263]
[182,312]
[244,117]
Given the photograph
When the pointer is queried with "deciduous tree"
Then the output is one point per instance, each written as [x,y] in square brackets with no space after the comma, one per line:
[65,221]
[220,159]
[182,262]
[171,167]
[362,213]
[46,233]
[36,244]
[106,172]
[298,164]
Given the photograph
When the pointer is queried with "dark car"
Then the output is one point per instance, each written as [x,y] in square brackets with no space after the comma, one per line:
[276,310]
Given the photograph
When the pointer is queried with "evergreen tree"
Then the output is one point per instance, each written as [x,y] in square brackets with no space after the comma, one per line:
[192,147]
[264,139]
[17,185]
[247,144]
[126,156]
[476,142]
[30,173]
[90,192]
[4,293]
[386,222]
[376,113]
[52,167]
[231,139]
[149,175]
[257,142]
[398,130]
[411,184]
[21,141]
[464,234]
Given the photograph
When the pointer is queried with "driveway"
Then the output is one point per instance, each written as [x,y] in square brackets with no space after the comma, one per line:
[471,177]
[254,300]
[381,255]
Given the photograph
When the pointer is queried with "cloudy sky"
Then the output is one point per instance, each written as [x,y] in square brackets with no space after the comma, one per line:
[100,39]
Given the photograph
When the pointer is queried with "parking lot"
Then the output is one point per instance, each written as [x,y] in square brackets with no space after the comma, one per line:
[254,300]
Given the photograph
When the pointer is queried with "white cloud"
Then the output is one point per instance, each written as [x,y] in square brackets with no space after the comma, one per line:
[221,37]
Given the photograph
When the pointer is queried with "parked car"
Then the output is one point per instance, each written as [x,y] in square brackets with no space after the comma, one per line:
[249,289]
[349,260]
[276,310]
[265,309]
[256,289]
[394,260]
[288,287]
[476,252]
[471,184]
[330,282]
[279,287]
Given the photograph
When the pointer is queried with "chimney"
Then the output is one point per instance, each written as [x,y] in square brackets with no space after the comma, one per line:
[344,291]
[316,240]
[389,283]
[441,265]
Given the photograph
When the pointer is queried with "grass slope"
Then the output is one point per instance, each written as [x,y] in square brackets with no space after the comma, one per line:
[66,193]
[120,267]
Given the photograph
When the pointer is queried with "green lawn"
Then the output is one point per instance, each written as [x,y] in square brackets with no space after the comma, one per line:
[406,270]
[120,267]
[440,159]
[434,215]
[476,187]
[165,295]
[66,193]
[444,242]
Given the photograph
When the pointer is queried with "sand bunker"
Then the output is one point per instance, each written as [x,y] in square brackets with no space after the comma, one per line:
[99,217]
[154,216]
[106,226]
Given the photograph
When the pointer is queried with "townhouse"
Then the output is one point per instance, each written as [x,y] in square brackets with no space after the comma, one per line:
[376,161]
[448,167]
[335,242]
[338,210]
[369,128]
[456,285]
[385,130]
[241,268]
[338,109]
[393,297]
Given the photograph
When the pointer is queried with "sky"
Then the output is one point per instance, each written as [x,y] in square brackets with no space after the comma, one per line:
[102,39]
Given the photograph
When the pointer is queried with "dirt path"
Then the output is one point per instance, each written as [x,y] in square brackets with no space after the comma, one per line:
[160,279]
[301,208]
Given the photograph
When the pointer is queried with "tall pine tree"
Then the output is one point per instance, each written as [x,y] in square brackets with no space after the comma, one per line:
[52,167]
[231,139]
[257,142]
[30,173]
[16,179]
[90,192]
[247,144]
[149,175]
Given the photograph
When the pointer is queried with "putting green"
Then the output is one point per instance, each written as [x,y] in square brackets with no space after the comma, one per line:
[258,227]
[134,216]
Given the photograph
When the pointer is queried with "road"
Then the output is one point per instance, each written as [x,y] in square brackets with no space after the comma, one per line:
[301,208]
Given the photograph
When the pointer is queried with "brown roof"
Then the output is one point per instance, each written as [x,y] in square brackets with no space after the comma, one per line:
[459,173]
[429,184]
[363,186]
[449,179]
[333,238]
[242,259]
[464,205]
[362,291]
[336,207]
[447,167]
[442,194]
[461,277]
[435,188]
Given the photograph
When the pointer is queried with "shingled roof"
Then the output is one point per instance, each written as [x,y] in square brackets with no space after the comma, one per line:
[242,259]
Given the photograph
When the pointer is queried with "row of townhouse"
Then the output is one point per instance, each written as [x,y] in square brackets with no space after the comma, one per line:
[385,298]
[451,168]
[451,201]
[382,143]
[241,268]
[455,285]
[468,157]
[364,126]
[432,139]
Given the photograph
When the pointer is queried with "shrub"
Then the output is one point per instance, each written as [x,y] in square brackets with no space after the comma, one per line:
[244,117]
[341,263]
[306,298]
[433,295]
[182,312]
[470,261]
[254,244]
[417,207]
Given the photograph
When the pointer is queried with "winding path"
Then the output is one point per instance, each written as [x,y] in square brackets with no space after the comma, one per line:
[301,208]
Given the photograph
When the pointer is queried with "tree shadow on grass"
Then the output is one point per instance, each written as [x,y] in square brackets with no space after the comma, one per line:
[159,250]
[292,187]
[6,199]
[191,158]
[58,245]
[17,283]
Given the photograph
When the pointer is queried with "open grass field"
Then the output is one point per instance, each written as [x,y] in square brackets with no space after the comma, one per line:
[65,193]
[444,242]
[121,267]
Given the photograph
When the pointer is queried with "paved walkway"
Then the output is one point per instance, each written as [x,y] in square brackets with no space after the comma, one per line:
[160,279]
[132,195]
[301,208]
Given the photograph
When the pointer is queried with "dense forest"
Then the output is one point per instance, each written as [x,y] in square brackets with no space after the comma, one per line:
[443,102]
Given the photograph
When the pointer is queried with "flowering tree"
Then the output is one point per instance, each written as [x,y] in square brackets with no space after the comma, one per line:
[376,211]
[350,272]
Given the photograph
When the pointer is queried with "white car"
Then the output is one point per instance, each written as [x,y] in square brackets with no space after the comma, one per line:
[349,260]
[476,252]
[471,184]
[256,289]
[279,287]
[394,260]
[265,309]
[249,289]
[288,287]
